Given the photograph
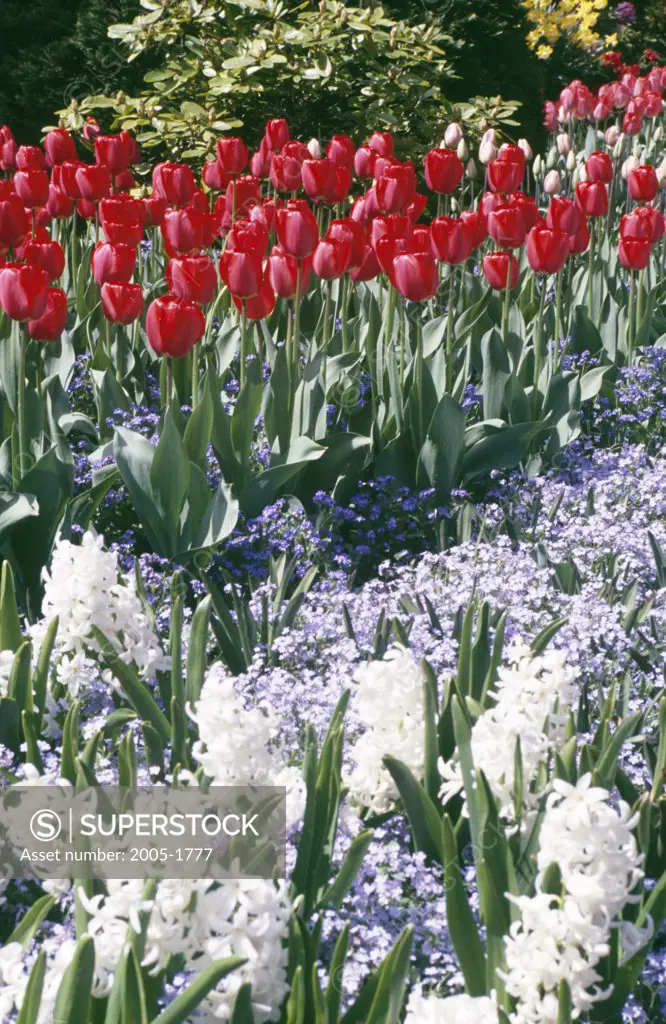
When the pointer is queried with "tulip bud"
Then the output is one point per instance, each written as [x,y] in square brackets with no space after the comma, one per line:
[661,173]
[453,135]
[563,144]
[487,152]
[552,184]
[462,150]
[658,133]
[490,136]
[526,148]
[552,159]
[314,149]
[617,149]
[571,162]
[582,173]
[454,204]
[611,135]
[537,167]
[575,177]
[629,165]
[470,170]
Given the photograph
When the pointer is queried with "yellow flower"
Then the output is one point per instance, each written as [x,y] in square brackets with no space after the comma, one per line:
[544,52]
[611,41]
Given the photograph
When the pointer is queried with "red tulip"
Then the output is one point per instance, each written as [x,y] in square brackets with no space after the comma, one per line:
[443,171]
[285,173]
[14,223]
[395,188]
[91,129]
[476,226]
[59,146]
[343,182]
[30,158]
[132,146]
[580,239]
[365,159]
[183,230]
[420,240]
[63,176]
[122,209]
[341,150]
[277,134]
[415,208]
[382,143]
[507,227]
[505,175]
[488,202]
[156,207]
[297,230]
[122,303]
[242,194]
[642,183]
[174,182]
[415,276]
[451,239]
[264,213]
[260,305]
[241,272]
[331,258]
[48,255]
[599,167]
[512,154]
[632,124]
[113,151]
[634,253]
[592,198]
[193,278]
[50,325]
[93,181]
[248,236]
[564,215]
[8,152]
[260,162]
[318,178]
[347,230]
[32,187]
[527,206]
[232,154]
[214,175]
[644,222]
[496,269]
[282,271]
[394,225]
[368,268]
[59,205]
[387,249]
[174,326]
[122,231]
[24,291]
[547,249]
[86,208]
[113,264]
[124,181]
[653,104]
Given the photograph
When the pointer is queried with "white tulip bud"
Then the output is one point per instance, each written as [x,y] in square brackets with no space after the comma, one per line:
[314,149]
[552,183]
[571,161]
[658,133]
[617,149]
[612,135]
[453,204]
[471,171]
[462,151]
[661,173]
[575,177]
[552,159]
[453,135]
[487,152]
[526,148]
[630,164]
[490,136]
[537,166]
[563,144]
[582,173]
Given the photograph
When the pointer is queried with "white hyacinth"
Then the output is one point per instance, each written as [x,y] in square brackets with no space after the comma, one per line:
[460,1009]
[529,692]
[389,701]
[84,589]
[564,937]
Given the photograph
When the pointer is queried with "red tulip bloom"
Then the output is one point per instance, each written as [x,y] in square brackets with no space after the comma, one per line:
[415,276]
[496,269]
[24,291]
[14,222]
[343,182]
[443,171]
[564,215]
[387,249]
[193,278]
[183,230]
[174,182]
[113,264]
[512,154]
[488,202]
[39,236]
[451,239]
[32,187]
[64,177]
[347,230]
[243,193]
[124,181]
[580,239]
[50,325]
[368,268]
[644,222]
[59,146]
[547,249]
[341,150]
[232,154]
[260,305]
[174,326]
[632,124]
[476,226]
[653,104]
[592,198]
[8,152]
[505,175]
[506,226]
[277,134]
[113,151]
[241,272]
[132,146]
[48,255]
[642,183]
[285,173]
[86,208]
[318,178]
[122,303]
[365,159]
[394,225]
[93,181]
[214,175]
[282,270]
[419,240]
[91,129]
[156,207]
[297,230]
[248,236]
[122,209]
[59,205]
[382,143]
[130,232]
[30,158]
[260,162]
[599,167]
[264,213]
[331,258]
[634,253]
[395,188]
[527,206]
[415,208]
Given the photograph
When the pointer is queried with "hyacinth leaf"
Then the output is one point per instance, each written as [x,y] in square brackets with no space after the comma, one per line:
[335,894]
[32,997]
[30,735]
[431,777]
[422,813]
[462,926]
[134,997]
[41,670]
[243,1006]
[463,675]
[136,690]
[336,972]
[74,998]
[296,1001]
[196,652]
[10,724]
[175,638]
[179,1011]
[70,742]
[30,923]
[389,995]
[659,773]
[19,685]
[606,766]
[543,638]
[127,761]
[10,625]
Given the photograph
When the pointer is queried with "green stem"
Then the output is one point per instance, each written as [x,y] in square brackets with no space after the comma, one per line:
[345,308]
[21,466]
[327,317]
[559,330]
[296,339]
[243,346]
[195,376]
[169,382]
[507,302]
[538,348]
[632,305]
[448,385]
[590,276]
[640,294]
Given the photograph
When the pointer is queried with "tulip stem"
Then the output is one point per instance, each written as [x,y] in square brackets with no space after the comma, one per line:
[20,467]
[296,339]
[507,302]
[327,315]
[195,376]
[345,308]
[559,328]
[169,382]
[448,383]
[640,293]
[590,277]
[243,345]
[538,348]
[631,324]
